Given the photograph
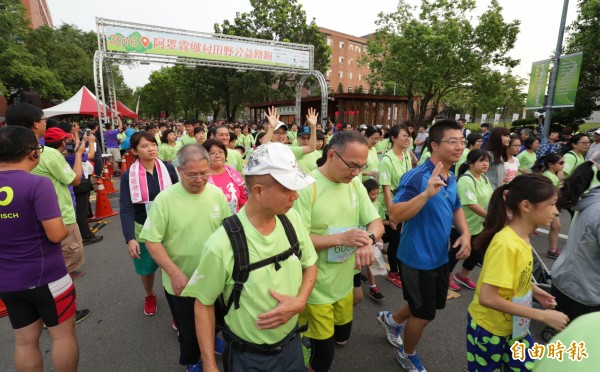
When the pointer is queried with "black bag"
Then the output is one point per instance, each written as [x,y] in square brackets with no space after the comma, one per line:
[241,261]
[84,186]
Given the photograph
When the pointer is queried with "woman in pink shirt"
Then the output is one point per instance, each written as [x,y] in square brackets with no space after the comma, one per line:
[225,177]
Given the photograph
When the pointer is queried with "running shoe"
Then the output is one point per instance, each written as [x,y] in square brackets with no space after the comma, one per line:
[410,362]
[363,278]
[465,281]
[92,240]
[194,367]
[395,279]
[553,253]
[219,345]
[535,233]
[150,305]
[392,332]
[452,284]
[81,315]
[375,294]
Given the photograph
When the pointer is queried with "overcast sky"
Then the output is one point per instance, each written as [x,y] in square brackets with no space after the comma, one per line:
[540,20]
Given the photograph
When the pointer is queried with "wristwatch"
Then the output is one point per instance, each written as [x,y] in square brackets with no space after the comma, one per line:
[372,236]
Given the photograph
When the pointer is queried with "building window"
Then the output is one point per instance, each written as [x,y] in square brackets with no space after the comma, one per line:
[350,76]
[341,74]
[364,48]
[359,77]
[341,45]
[329,41]
[341,59]
[351,47]
[328,73]
[349,89]
[350,61]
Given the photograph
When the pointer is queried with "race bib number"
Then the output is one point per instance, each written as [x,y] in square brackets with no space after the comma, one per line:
[148,206]
[340,253]
[521,324]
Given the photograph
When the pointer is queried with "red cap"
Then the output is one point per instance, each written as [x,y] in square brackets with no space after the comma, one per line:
[56,134]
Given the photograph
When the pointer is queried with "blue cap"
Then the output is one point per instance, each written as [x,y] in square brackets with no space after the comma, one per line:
[304,130]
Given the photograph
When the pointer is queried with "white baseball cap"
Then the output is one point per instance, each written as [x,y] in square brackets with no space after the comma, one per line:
[277,160]
[281,124]
[597,131]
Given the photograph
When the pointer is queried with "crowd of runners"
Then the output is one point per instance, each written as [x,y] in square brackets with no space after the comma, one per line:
[264,233]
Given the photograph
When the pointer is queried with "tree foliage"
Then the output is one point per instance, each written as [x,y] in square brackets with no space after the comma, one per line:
[436,49]
[583,37]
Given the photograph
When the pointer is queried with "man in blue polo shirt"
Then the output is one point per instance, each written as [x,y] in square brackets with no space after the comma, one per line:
[427,202]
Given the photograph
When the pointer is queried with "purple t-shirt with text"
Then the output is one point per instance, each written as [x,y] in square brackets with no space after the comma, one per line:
[110,136]
[27,258]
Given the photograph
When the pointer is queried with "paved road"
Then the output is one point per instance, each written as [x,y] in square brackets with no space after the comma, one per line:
[118,337]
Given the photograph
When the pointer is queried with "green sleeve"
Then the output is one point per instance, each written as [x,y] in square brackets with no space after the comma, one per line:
[59,168]
[467,191]
[210,277]
[298,152]
[309,254]
[303,205]
[161,152]
[156,223]
[385,171]
[367,213]
[570,161]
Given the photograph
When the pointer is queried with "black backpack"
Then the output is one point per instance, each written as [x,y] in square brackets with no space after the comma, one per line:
[241,261]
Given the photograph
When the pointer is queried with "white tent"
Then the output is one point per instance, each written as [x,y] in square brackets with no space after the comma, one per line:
[82,103]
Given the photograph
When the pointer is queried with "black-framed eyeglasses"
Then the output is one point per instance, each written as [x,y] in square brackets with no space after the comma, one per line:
[351,168]
[39,147]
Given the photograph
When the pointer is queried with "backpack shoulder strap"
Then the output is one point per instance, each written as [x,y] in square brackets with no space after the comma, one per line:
[291,235]
[241,259]
[471,177]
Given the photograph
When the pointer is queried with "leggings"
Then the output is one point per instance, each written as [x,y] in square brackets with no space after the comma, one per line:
[470,262]
[392,237]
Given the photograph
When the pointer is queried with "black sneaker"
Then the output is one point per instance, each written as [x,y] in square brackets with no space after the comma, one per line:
[364,279]
[81,315]
[375,294]
[92,240]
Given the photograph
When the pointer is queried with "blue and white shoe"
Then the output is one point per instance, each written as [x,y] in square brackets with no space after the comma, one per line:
[194,367]
[393,332]
[410,362]
[219,345]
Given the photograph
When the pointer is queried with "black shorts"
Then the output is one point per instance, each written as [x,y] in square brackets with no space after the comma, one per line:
[356,280]
[53,303]
[424,290]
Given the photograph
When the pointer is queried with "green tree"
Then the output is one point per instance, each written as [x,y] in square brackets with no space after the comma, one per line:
[280,20]
[583,37]
[436,49]
[21,70]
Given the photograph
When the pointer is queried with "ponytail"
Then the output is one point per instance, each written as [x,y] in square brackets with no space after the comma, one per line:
[321,161]
[462,169]
[578,183]
[533,187]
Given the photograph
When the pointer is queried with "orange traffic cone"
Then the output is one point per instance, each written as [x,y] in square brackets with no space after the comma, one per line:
[107,180]
[3,311]
[124,165]
[103,208]
[130,158]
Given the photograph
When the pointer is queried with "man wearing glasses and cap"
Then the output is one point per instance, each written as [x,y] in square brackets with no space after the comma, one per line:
[280,132]
[180,218]
[261,318]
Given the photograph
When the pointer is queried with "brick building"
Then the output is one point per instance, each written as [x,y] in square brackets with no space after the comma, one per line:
[38,13]
[346,50]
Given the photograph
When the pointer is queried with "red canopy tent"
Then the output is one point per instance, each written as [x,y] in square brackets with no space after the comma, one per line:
[125,111]
[82,103]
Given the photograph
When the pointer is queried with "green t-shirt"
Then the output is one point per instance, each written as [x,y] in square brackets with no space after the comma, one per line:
[187,140]
[412,144]
[553,177]
[526,159]
[235,160]
[214,276]
[182,221]
[584,331]
[424,155]
[54,166]
[372,163]
[292,136]
[308,163]
[326,208]
[247,141]
[121,137]
[572,161]
[383,146]
[473,191]
[167,152]
[298,152]
[463,158]
[391,169]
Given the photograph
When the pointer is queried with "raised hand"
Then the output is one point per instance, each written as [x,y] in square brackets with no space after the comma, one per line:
[312,117]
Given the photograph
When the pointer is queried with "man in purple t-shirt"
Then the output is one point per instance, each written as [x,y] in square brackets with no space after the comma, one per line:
[34,282]
[112,145]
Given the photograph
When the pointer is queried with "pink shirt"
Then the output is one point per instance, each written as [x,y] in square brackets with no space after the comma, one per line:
[236,194]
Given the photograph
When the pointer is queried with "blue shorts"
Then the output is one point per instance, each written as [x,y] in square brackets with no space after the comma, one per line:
[487,352]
